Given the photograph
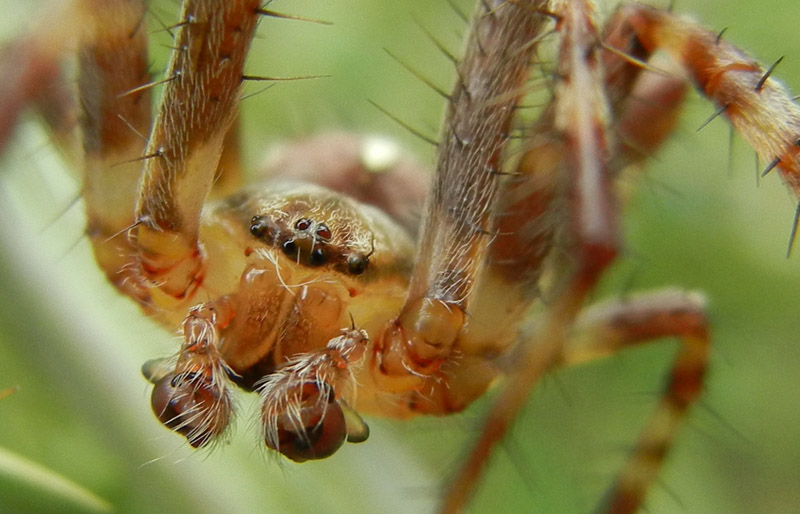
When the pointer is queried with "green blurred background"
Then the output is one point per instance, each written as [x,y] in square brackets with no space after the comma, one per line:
[698,220]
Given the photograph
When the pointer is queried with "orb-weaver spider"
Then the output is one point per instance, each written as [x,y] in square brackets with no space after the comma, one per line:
[723,152]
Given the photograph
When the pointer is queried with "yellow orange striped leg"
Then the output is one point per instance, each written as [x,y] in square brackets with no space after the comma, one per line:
[645,105]
[110,40]
[758,106]
[112,60]
[611,326]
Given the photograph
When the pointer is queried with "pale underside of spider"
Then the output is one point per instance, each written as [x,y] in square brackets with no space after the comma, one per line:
[323,305]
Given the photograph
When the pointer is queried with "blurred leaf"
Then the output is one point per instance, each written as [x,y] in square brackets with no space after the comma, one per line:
[40,480]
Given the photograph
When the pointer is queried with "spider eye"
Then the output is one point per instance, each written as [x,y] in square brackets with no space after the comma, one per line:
[357,264]
[290,248]
[317,257]
[323,232]
[315,429]
[303,224]
[258,226]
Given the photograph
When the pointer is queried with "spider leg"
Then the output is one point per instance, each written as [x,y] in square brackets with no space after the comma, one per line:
[645,99]
[605,329]
[34,78]
[458,226]
[646,109]
[31,64]
[200,102]
[579,116]
[229,176]
[759,107]
[112,60]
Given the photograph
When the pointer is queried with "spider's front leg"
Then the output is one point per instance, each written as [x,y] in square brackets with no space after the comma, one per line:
[200,103]
[113,63]
[430,331]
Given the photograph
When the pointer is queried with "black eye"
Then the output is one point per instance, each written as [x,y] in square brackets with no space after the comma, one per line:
[258,226]
[317,257]
[323,232]
[357,264]
[289,248]
[303,224]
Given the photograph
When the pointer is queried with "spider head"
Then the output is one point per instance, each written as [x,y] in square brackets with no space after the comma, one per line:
[317,228]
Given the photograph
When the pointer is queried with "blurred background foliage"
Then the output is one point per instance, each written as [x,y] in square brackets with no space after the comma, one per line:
[698,220]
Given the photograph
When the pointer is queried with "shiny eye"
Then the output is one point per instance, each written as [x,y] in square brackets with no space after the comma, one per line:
[317,257]
[357,264]
[289,248]
[323,232]
[303,224]
[258,226]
